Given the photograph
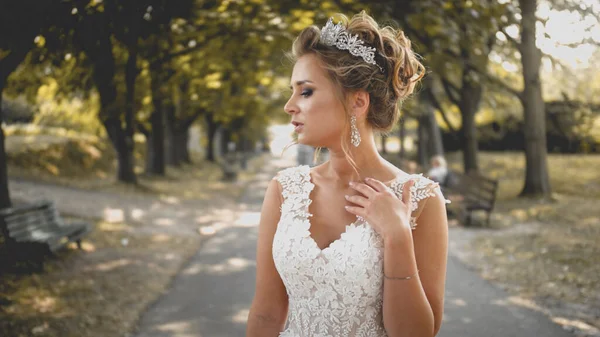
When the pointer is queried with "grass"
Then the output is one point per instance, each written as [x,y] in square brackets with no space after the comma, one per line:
[87,162]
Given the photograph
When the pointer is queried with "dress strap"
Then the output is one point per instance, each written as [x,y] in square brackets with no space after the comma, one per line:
[294,181]
[422,189]
[296,187]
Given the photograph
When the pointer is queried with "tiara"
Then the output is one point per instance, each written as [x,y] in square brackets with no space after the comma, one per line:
[336,35]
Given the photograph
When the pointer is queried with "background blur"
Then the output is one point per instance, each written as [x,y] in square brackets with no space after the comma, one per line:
[183,100]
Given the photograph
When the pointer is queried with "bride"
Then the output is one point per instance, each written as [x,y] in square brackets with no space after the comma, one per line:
[354,246]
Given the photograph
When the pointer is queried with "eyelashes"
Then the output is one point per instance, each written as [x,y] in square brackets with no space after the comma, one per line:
[306,92]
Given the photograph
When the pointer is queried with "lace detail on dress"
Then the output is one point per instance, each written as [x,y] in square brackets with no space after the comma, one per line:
[337,291]
[422,189]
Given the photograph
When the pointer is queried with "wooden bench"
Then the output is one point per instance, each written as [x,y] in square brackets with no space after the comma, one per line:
[30,227]
[477,193]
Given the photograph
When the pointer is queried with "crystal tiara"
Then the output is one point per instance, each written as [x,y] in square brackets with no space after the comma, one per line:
[338,36]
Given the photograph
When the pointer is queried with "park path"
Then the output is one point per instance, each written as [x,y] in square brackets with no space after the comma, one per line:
[211,295]
[152,214]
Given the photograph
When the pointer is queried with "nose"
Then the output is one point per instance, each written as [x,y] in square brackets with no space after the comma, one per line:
[290,107]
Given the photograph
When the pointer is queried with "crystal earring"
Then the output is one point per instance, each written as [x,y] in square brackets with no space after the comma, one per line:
[355,136]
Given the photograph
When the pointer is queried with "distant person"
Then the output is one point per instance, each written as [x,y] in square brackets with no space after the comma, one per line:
[439,169]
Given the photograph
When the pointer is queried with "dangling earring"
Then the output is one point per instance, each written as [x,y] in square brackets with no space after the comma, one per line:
[355,136]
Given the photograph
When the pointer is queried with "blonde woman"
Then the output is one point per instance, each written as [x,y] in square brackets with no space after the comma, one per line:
[354,246]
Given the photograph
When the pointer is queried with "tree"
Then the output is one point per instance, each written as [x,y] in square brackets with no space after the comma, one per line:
[25,19]
[537,181]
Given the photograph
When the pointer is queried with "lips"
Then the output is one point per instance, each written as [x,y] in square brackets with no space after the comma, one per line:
[298,126]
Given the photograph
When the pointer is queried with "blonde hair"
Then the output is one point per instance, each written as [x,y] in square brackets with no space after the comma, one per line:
[387,90]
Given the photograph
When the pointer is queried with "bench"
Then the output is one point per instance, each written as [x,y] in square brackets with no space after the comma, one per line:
[477,193]
[26,229]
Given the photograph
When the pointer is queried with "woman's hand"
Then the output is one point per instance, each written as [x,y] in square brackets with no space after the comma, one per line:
[379,206]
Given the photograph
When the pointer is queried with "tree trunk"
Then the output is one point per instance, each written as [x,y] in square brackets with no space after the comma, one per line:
[131,72]
[7,65]
[123,146]
[422,154]
[402,136]
[157,142]
[179,145]
[183,140]
[171,135]
[211,132]
[470,97]
[149,150]
[155,162]
[4,192]
[126,159]
[96,39]
[383,144]
[435,145]
[537,182]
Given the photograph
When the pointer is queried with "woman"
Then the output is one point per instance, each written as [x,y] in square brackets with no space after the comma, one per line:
[354,246]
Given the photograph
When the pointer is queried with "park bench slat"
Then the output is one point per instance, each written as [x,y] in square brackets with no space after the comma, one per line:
[478,194]
[39,223]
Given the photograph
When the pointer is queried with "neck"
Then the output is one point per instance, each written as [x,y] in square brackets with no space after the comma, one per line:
[366,158]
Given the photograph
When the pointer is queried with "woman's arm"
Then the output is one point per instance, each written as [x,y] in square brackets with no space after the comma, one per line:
[269,308]
[415,307]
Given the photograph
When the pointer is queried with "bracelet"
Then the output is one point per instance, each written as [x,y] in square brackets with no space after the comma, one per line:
[401,278]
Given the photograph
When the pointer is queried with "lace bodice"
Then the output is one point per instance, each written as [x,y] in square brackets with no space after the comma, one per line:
[337,291]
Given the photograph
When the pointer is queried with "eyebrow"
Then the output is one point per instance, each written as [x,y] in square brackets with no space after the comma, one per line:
[302,82]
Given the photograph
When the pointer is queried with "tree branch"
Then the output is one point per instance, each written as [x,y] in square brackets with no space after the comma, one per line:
[438,106]
[451,90]
[186,51]
[187,122]
[143,128]
[588,40]
[503,85]
[515,43]
[555,61]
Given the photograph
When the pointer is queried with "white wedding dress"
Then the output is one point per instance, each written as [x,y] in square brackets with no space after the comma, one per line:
[337,291]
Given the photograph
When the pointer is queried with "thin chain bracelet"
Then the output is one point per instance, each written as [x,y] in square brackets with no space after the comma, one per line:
[401,278]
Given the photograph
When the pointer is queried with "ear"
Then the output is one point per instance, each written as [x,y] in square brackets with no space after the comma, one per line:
[360,103]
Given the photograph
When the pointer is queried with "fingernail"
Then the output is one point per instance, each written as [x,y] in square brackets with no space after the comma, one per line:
[346,196]
[351,183]
[367,179]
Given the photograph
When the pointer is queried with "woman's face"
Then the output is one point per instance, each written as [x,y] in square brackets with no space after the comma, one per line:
[314,106]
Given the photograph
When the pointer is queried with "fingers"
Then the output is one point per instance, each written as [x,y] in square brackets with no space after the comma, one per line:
[358,200]
[366,190]
[356,210]
[377,185]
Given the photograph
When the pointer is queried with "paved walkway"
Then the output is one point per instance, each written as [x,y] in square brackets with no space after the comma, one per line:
[167,215]
[212,294]
[210,297]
